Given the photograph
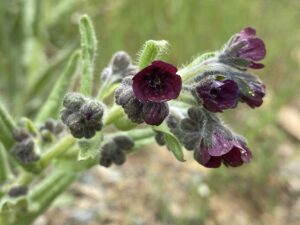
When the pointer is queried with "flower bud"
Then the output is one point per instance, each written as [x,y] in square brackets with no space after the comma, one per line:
[85,120]
[111,153]
[73,101]
[154,113]
[124,142]
[119,157]
[159,138]
[120,61]
[125,97]
[20,134]
[105,161]
[24,151]
[18,191]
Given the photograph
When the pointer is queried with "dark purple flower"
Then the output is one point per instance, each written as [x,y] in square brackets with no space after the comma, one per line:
[154,113]
[218,95]
[254,97]
[232,153]
[157,83]
[253,48]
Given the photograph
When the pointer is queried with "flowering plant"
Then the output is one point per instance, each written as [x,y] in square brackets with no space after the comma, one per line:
[144,102]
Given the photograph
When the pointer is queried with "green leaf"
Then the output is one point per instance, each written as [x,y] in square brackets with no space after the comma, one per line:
[151,50]
[171,141]
[88,48]
[89,149]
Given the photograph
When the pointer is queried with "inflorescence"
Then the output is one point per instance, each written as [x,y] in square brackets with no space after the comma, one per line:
[187,100]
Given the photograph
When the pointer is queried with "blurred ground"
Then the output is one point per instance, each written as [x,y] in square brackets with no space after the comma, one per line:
[152,187]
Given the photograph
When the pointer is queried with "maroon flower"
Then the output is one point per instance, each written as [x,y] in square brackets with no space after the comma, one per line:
[157,83]
[218,95]
[254,97]
[253,48]
[232,153]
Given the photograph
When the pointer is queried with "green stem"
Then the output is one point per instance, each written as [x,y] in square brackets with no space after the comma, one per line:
[60,148]
[45,193]
[6,136]
[6,118]
[136,134]
[113,114]
[189,72]
[5,172]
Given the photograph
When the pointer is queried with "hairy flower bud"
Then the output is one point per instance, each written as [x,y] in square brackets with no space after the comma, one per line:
[17,191]
[83,118]
[159,138]
[120,61]
[125,97]
[124,142]
[112,153]
[154,113]
[73,101]
[20,134]
[24,151]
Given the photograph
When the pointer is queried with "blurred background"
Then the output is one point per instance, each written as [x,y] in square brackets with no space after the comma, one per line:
[36,38]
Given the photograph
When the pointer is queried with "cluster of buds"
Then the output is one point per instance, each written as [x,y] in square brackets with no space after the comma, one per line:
[114,151]
[153,95]
[81,115]
[49,128]
[24,150]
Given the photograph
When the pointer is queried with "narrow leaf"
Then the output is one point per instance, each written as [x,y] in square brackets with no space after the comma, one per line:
[88,48]
[171,141]
[151,50]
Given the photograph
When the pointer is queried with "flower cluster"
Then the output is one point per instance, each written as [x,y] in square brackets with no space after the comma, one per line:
[114,151]
[24,150]
[221,85]
[51,128]
[212,142]
[81,115]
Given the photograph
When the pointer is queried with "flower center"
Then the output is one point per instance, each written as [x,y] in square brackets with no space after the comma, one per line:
[155,82]
[214,92]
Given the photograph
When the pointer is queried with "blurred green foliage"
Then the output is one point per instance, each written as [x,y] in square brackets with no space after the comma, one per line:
[37,36]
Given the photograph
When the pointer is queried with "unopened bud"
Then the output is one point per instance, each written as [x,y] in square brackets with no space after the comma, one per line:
[159,138]
[154,113]
[18,191]
[120,61]
[24,151]
[119,157]
[20,134]
[124,142]
[73,101]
